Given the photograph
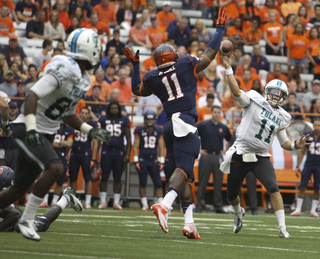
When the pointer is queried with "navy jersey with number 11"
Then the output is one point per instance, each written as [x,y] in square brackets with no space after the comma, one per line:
[176,87]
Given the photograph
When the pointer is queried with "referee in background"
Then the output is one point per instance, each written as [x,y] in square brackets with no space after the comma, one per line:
[212,133]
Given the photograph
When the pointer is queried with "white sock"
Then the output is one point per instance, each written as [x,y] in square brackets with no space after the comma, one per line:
[237,208]
[116,197]
[103,197]
[88,199]
[63,202]
[169,198]
[46,198]
[314,206]
[55,198]
[31,207]
[188,216]
[144,201]
[299,204]
[28,195]
[281,218]
[159,199]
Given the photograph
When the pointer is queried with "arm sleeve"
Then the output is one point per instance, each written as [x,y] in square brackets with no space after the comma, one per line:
[243,99]
[45,86]
[282,136]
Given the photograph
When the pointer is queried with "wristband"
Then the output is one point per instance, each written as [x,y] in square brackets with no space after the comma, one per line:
[85,127]
[161,159]
[5,123]
[229,71]
[30,121]
[293,147]
[135,159]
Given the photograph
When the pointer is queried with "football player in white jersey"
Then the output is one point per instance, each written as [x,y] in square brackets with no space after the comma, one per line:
[52,99]
[262,118]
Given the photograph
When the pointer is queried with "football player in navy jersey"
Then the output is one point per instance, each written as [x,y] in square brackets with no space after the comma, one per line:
[175,84]
[113,156]
[62,142]
[311,167]
[148,139]
[81,156]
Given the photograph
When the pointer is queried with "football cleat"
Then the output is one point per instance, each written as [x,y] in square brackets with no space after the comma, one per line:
[296,213]
[162,213]
[44,204]
[87,206]
[28,229]
[74,202]
[315,215]
[283,232]
[117,206]
[189,230]
[237,223]
[102,206]
[144,208]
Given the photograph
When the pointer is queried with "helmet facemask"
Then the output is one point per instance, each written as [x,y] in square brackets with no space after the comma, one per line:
[273,91]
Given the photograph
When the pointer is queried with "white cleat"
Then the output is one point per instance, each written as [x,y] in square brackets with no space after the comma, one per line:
[162,213]
[117,206]
[27,229]
[102,205]
[296,213]
[283,232]
[74,202]
[315,215]
[145,208]
[237,223]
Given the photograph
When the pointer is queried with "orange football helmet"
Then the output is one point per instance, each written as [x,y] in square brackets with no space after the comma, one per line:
[165,55]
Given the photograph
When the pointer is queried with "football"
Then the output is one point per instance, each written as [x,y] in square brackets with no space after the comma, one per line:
[226,47]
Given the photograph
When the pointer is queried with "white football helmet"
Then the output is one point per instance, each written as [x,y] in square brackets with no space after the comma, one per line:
[84,44]
[278,88]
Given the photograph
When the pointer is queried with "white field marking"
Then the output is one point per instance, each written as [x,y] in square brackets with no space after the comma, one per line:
[53,254]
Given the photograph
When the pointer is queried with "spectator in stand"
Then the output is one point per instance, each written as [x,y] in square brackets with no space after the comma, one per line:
[45,5]
[53,28]
[202,101]
[314,39]
[235,33]
[273,35]
[115,42]
[78,12]
[61,7]
[165,16]
[147,100]
[291,106]
[98,80]
[101,28]
[254,34]
[115,61]
[292,88]
[76,23]
[8,87]
[311,95]
[234,115]
[257,86]
[303,15]
[127,14]
[237,60]
[203,34]
[246,81]
[35,27]
[202,85]
[106,59]
[14,67]
[149,63]
[3,66]
[297,52]
[96,109]
[151,6]
[209,7]
[247,12]
[258,61]
[277,74]
[246,60]
[17,59]
[156,33]
[12,7]
[310,9]
[288,28]
[138,36]
[124,87]
[106,13]
[315,109]
[180,36]
[6,24]
[211,74]
[114,97]
[222,88]
[315,56]
[26,10]
[21,89]
[83,5]
[110,74]
[204,112]
[290,7]
[233,7]
[146,18]
[182,51]
[139,4]
[264,13]
[56,52]
[32,72]
[42,56]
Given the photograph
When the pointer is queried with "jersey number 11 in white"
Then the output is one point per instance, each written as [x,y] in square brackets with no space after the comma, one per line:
[175,80]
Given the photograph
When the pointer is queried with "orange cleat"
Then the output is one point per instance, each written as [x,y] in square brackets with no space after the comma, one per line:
[162,213]
[102,206]
[296,213]
[315,215]
[189,230]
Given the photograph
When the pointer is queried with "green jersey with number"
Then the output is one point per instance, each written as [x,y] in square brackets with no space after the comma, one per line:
[260,121]
[71,87]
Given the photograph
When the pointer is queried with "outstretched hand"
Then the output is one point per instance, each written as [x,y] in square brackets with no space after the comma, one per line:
[300,143]
[222,19]
[226,61]
[133,58]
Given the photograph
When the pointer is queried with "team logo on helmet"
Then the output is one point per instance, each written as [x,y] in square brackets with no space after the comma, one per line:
[165,55]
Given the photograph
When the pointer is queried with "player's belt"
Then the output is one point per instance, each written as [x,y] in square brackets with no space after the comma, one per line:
[214,153]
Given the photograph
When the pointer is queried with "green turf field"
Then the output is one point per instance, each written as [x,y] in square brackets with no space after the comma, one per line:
[134,234]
